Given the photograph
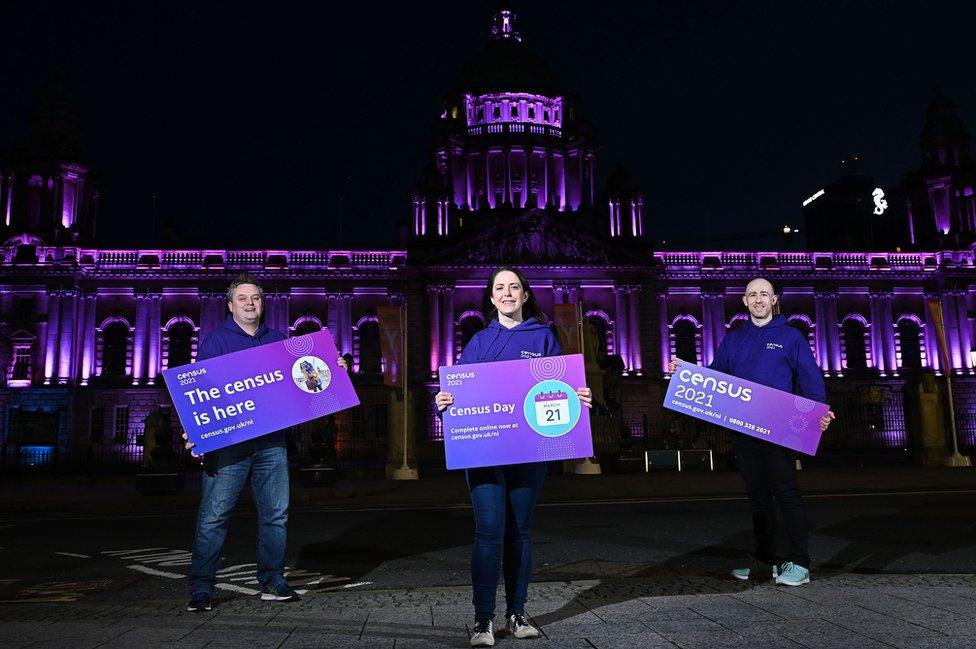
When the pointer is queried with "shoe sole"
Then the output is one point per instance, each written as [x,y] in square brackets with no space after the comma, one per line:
[793,583]
[484,643]
[268,597]
[198,609]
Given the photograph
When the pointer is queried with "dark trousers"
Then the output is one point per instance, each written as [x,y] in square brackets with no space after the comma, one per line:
[769,472]
[503,498]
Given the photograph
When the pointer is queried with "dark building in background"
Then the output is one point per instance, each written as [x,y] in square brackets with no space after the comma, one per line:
[856,213]
[942,192]
[85,331]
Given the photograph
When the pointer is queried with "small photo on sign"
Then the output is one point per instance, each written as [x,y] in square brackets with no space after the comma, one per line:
[311,374]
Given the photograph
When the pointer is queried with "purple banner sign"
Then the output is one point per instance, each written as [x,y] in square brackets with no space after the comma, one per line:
[240,396]
[746,407]
[512,412]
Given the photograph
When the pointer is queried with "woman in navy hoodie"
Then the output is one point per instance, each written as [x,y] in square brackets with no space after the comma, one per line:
[504,497]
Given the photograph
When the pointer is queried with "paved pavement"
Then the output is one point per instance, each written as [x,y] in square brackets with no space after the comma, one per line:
[622,561]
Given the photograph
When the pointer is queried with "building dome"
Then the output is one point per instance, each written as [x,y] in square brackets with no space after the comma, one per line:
[506,64]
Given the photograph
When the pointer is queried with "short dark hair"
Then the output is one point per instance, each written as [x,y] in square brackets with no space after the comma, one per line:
[529,310]
[243,278]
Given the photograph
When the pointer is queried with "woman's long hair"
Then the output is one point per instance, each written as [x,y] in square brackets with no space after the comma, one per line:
[529,310]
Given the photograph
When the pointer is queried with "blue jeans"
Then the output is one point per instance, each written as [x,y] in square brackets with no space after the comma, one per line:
[503,498]
[225,472]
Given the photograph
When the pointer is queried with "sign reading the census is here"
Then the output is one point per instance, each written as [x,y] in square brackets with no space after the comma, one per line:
[243,395]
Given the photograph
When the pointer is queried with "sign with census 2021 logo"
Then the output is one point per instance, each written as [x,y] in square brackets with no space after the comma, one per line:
[512,412]
[749,408]
[243,395]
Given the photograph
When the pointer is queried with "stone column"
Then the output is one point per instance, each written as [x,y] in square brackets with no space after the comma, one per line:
[888,332]
[965,333]
[828,336]
[434,297]
[663,323]
[332,316]
[140,338]
[51,338]
[345,323]
[559,294]
[713,322]
[877,355]
[88,344]
[634,312]
[621,328]
[574,293]
[212,308]
[69,316]
[154,360]
[448,314]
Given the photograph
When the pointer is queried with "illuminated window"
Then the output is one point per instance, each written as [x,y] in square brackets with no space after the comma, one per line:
[121,424]
[115,349]
[22,363]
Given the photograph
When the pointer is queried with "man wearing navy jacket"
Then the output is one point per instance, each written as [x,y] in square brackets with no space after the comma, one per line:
[766,350]
[226,470]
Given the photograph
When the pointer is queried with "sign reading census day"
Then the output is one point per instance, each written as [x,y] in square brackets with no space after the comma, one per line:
[512,412]
[749,408]
[243,395]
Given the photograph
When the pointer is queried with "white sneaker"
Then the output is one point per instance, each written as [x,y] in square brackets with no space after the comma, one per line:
[484,634]
[517,627]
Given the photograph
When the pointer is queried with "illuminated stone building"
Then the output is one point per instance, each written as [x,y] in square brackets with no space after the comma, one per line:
[86,330]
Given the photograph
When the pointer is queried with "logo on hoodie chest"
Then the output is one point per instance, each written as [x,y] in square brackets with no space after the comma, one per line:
[529,354]
[773,346]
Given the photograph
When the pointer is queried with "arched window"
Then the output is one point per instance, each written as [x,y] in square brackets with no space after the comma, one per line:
[854,339]
[909,341]
[804,325]
[471,322]
[737,320]
[370,354]
[685,334]
[180,347]
[307,326]
[604,331]
[115,339]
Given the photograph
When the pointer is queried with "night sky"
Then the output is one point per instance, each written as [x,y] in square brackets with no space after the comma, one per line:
[281,125]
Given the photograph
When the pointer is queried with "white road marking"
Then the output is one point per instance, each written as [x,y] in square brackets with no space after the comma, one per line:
[122,553]
[239,589]
[156,573]
[73,554]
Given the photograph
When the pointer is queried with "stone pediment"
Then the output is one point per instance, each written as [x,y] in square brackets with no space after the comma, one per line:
[21,336]
[536,237]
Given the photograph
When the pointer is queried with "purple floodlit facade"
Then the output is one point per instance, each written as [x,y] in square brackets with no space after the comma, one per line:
[87,330]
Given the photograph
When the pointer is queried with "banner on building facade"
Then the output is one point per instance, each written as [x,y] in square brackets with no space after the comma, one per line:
[745,407]
[567,319]
[935,309]
[391,343]
[243,395]
[512,412]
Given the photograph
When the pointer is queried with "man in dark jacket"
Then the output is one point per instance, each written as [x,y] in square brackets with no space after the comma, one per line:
[226,470]
[766,350]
